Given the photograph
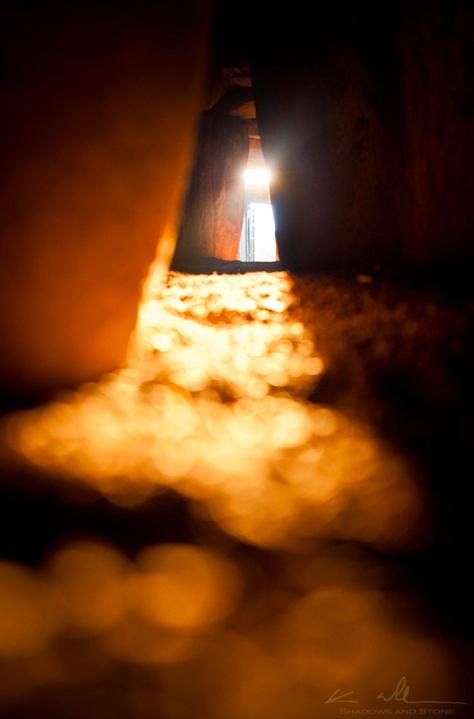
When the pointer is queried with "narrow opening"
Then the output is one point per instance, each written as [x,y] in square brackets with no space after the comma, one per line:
[257,240]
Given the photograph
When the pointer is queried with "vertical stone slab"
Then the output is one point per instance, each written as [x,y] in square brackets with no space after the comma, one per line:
[367,113]
[329,126]
[213,212]
[437,53]
[99,108]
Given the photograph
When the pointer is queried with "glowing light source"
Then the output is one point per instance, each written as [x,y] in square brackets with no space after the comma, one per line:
[257,177]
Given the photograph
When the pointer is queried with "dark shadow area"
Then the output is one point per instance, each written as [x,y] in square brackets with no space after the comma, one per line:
[399,348]
[208,265]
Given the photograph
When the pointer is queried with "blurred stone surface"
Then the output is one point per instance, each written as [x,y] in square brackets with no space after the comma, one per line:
[99,106]
[267,508]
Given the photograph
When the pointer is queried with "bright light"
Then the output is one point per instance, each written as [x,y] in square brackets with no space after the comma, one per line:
[262,229]
[257,177]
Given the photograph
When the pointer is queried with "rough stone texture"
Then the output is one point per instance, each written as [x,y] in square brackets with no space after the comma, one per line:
[437,52]
[99,106]
[367,114]
[213,212]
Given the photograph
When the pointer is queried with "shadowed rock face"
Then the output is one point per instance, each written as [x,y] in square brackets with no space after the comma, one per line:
[213,212]
[99,107]
[437,52]
[367,113]
[212,216]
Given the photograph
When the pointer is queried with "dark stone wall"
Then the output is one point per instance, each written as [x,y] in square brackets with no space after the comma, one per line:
[437,56]
[366,114]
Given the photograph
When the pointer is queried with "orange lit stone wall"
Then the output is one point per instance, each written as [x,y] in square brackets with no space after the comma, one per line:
[99,107]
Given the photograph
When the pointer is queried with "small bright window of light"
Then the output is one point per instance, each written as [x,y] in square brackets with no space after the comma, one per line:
[257,242]
[257,177]
[260,215]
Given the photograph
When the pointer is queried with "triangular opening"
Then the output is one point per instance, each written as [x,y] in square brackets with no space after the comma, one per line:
[257,241]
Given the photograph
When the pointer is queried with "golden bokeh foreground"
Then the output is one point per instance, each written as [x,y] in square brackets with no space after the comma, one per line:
[268,616]
[212,404]
[174,625]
